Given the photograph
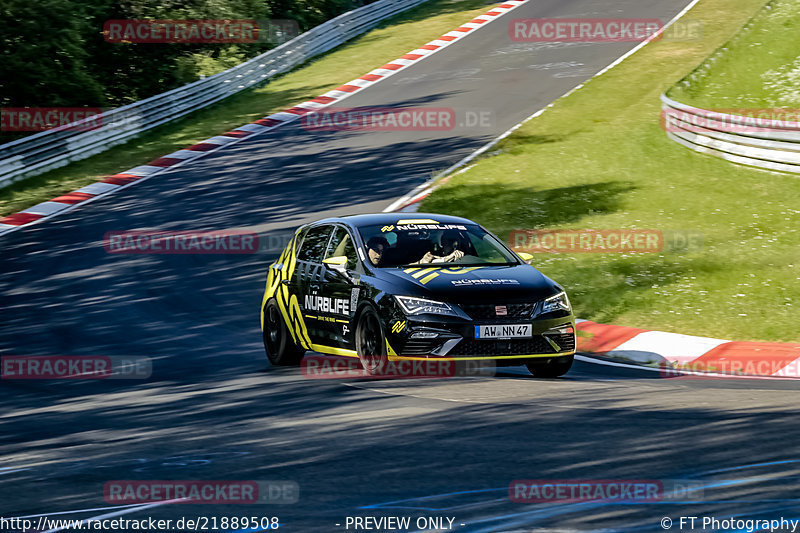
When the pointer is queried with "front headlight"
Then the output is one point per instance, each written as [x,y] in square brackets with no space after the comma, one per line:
[559,302]
[418,306]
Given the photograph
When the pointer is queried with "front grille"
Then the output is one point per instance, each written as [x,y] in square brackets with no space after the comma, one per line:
[476,347]
[420,346]
[489,311]
[565,340]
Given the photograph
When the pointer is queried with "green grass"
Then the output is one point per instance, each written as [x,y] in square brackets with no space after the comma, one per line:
[599,159]
[393,38]
[758,68]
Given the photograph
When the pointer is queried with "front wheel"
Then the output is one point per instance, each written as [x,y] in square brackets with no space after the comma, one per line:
[552,368]
[370,342]
[281,349]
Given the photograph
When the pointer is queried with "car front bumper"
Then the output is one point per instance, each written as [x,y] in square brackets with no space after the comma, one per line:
[426,337]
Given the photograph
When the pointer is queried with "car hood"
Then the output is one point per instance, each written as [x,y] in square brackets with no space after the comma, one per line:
[483,284]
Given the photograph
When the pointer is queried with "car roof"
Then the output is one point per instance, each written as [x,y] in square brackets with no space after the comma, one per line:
[393,218]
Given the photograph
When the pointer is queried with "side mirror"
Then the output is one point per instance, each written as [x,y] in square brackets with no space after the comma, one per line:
[337,263]
[525,257]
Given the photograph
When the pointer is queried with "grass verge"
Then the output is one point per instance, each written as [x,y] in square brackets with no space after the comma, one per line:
[599,159]
[391,39]
[758,68]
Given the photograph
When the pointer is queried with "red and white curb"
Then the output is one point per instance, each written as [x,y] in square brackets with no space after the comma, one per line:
[674,353]
[111,184]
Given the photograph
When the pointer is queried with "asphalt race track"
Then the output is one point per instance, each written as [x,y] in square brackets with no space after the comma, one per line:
[214,409]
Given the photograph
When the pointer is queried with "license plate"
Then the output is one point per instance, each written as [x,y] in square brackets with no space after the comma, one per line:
[504,331]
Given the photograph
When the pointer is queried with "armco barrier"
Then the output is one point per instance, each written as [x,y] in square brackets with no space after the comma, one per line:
[108,185]
[50,149]
[771,145]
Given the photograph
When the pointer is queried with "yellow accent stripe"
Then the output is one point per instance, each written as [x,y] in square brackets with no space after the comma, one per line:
[416,221]
[289,308]
[302,332]
[390,351]
[478,358]
[429,277]
[333,351]
[422,272]
[458,270]
[288,321]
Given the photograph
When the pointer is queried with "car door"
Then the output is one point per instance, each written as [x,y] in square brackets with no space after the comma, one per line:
[308,278]
[340,291]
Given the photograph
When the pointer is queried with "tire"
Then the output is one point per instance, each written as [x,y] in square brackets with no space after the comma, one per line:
[371,342]
[281,349]
[552,369]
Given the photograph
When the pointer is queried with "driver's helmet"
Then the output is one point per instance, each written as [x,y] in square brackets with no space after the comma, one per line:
[451,239]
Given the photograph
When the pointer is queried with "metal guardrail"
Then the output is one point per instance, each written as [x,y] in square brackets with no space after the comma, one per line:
[60,146]
[762,143]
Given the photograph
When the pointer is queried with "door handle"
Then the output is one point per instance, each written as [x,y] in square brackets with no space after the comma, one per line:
[285,282]
[315,286]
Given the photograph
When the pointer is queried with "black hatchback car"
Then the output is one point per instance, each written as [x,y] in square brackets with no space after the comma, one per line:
[394,286]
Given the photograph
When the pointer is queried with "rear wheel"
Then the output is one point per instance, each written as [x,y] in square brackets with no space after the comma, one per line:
[370,342]
[281,349]
[551,368]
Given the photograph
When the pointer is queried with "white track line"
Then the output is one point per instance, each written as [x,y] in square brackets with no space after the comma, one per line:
[676,373]
[405,200]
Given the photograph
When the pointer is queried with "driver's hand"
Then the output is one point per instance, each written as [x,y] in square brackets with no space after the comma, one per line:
[428,258]
[457,254]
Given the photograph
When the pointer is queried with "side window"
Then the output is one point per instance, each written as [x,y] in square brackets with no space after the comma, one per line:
[342,244]
[485,249]
[314,244]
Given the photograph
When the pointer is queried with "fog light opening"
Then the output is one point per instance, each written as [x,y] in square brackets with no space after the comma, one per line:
[424,335]
[561,330]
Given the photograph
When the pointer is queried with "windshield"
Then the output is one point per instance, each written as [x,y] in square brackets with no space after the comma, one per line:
[428,242]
